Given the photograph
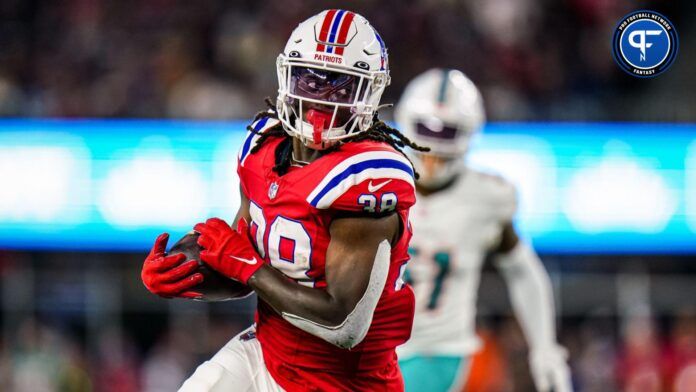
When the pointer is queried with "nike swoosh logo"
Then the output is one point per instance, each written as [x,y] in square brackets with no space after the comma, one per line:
[374,188]
[251,261]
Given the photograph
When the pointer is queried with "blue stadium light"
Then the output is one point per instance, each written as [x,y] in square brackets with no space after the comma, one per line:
[107,185]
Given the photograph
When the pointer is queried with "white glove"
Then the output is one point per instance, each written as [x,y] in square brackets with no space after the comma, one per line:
[550,370]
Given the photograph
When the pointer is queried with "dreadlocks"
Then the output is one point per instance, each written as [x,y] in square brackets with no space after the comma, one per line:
[379,131]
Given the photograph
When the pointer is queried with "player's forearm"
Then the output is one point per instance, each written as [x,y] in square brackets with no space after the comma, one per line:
[531,294]
[287,296]
[341,317]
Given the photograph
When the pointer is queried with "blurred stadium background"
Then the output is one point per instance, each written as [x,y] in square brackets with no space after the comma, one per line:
[605,164]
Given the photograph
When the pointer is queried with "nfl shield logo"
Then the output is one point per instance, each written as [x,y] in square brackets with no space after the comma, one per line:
[273,190]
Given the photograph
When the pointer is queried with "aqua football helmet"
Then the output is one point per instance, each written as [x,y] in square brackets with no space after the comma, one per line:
[441,109]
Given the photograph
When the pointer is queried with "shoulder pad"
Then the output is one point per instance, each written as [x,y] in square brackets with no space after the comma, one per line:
[258,127]
[500,192]
[374,181]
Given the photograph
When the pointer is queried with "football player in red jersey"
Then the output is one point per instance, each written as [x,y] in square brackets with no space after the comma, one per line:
[322,232]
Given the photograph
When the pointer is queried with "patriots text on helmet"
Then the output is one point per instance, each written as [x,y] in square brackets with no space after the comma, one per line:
[328,58]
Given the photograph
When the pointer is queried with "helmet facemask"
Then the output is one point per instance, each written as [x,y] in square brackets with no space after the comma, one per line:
[323,104]
[444,161]
[444,138]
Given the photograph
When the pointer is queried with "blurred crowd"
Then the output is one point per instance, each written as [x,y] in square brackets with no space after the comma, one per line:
[642,358]
[540,60]
[41,358]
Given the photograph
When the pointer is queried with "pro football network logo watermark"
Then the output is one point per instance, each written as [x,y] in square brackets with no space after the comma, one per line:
[645,43]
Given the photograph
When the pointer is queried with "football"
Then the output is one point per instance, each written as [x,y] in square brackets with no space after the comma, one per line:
[215,286]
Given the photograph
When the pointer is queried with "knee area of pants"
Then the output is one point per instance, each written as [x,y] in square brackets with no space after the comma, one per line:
[206,376]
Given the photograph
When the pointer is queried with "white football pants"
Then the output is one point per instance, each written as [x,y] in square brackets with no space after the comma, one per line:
[238,366]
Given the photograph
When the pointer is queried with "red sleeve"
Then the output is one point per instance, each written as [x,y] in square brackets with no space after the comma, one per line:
[379,195]
[368,182]
[250,139]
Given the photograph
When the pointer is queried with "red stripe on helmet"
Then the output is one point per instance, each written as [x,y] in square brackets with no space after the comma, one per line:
[343,32]
[325,27]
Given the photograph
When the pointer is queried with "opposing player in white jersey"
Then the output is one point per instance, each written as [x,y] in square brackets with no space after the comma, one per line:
[460,217]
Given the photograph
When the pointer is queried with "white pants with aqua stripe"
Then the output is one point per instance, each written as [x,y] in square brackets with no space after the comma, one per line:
[424,373]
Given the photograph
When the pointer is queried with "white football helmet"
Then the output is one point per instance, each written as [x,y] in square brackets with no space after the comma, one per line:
[331,76]
[441,109]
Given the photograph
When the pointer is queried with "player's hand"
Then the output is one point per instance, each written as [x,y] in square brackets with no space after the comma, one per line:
[166,276]
[227,251]
[550,370]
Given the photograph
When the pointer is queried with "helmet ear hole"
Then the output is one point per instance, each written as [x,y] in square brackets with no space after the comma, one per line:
[362,65]
[294,54]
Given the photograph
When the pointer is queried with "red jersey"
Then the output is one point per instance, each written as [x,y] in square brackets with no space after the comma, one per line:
[291,216]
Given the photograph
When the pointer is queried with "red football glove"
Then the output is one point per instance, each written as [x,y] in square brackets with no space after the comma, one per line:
[228,252]
[163,275]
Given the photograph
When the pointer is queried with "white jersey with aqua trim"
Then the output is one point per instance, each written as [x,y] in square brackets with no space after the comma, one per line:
[453,231]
